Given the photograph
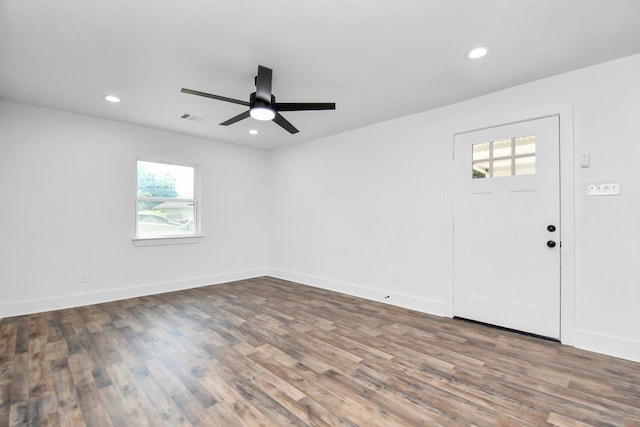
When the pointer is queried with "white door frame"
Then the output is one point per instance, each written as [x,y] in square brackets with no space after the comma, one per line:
[564,110]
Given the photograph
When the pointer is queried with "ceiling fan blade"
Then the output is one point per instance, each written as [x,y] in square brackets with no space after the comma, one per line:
[304,106]
[218,97]
[235,119]
[284,123]
[263,83]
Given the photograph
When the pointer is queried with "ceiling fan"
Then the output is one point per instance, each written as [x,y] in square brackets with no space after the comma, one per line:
[262,104]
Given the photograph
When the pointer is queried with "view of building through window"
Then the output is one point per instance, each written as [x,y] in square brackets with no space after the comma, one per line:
[166,203]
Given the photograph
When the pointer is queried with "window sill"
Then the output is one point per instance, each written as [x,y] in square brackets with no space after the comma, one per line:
[159,241]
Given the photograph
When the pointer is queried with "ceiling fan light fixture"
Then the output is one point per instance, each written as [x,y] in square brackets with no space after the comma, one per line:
[263,113]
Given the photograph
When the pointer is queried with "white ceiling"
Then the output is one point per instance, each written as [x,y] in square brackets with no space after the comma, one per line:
[377,59]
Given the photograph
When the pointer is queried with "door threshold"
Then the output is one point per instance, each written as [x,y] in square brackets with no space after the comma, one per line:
[502,328]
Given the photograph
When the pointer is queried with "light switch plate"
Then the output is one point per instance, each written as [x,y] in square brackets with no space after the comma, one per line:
[584,160]
[603,188]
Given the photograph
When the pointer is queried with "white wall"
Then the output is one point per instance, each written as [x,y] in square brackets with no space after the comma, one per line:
[67,188]
[363,213]
[368,212]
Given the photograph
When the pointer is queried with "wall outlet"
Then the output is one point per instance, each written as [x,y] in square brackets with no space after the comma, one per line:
[84,277]
[603,188]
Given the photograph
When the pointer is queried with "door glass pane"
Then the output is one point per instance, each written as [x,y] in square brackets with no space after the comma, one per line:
[526,165]
[526,145]
[480,170]
[502,148]
[480,151]
[502,167]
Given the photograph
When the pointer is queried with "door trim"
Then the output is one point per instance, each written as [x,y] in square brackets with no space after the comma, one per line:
[564,110]
[504,124]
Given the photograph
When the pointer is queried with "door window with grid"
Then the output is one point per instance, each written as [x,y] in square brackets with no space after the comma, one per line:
[504,157]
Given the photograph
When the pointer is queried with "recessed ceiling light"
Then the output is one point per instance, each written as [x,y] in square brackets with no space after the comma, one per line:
[253,132]
[477,52]
[111,98]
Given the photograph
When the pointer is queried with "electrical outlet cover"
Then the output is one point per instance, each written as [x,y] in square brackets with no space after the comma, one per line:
[603,188]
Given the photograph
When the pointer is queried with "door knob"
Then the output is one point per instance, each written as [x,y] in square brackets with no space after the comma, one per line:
[551,243]
[551,228]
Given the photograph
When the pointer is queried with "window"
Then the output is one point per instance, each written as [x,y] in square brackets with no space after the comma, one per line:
[166,204]
[505,157]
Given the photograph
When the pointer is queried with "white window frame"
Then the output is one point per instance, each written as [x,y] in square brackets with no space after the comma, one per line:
[196,236]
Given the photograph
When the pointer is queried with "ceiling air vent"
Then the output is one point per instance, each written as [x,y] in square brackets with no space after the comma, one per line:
[191,117]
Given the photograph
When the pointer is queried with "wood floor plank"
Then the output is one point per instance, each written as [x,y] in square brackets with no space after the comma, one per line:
[92,406]
[22,334]
[24,414]
[5,398]
[138,410]
[268,352]
[8,337]
[19,391]
[69,412]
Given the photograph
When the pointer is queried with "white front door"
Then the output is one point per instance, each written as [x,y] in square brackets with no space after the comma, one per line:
[507,226]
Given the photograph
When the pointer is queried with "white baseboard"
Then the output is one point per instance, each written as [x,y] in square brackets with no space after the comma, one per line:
[18,308]
[621,347]
[411,302]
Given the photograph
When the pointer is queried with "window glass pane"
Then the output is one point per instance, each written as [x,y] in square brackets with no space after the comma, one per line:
[480,151]
[526,165]
[502,148]
[480,170]
[502,167]
[165,218]
[526,145]
[164,180]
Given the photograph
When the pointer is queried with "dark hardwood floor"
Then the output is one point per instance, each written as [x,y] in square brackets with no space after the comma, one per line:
[274,353]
